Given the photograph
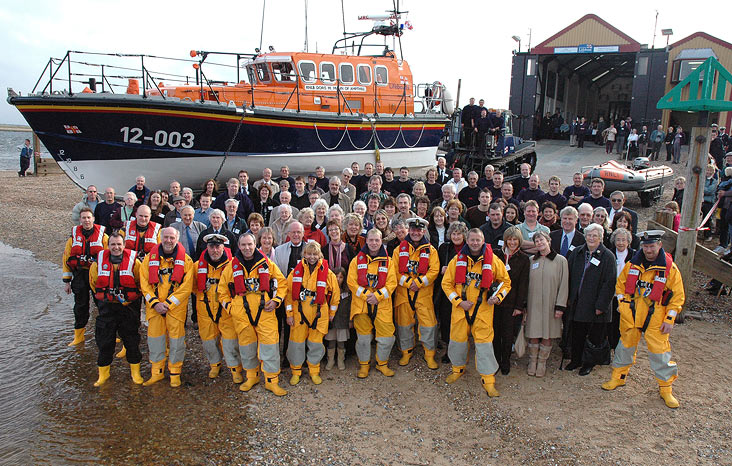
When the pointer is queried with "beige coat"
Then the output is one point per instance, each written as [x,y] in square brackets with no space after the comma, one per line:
[548,288]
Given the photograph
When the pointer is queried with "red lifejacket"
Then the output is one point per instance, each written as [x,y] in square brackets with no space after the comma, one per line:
[461,267]
[116,285]
[424,257]
[239,286]
[321,285]
[84,250]
[202,275]
[132,237]
[362,267]
[659,281]
[178,265]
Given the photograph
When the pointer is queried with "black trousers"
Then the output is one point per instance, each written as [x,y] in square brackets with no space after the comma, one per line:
[613,327]
[656,149]
[480,141]
[443,312]
[80,288]
[284,329]
[24,165]
[114,319]
[580,140]
[669,151]
[503,333]
[468,135]
[581,331]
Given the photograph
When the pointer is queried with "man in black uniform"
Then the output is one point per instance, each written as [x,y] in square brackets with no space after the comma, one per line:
[466,122]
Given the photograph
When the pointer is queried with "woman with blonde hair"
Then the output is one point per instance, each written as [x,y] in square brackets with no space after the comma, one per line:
[267,241]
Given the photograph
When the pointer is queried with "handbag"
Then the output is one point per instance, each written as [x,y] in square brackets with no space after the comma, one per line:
[596,355]
[520,344]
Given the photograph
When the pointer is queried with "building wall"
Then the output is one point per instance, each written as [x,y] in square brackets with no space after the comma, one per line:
[589,31]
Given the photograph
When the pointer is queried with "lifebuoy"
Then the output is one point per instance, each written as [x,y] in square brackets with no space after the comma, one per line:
[436,98]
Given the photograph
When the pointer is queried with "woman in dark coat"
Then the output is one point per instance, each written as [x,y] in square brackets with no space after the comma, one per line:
[592,276]
[456,234]
[263,203]
[513,305]
[622,249]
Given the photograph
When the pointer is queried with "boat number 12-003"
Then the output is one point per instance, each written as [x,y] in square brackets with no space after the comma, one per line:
[161,138]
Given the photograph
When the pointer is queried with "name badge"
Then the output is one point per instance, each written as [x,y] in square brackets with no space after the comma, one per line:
[500,243]
[531,234]
[535,265]
[594,261]
[235,231]
[508,267]
[269,207]
[571,247]
[345,190]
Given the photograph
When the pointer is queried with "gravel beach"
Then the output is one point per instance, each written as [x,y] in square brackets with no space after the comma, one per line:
[413,418]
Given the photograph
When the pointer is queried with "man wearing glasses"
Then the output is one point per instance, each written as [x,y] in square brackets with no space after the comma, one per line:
[617,202]
[90,199]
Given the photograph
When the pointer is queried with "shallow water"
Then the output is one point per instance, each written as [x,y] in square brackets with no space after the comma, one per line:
[10,144]
[52,414]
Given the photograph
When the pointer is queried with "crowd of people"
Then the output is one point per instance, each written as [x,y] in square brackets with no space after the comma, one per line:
[288,270]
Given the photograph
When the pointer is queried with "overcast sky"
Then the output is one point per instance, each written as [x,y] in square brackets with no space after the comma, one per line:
[450,40]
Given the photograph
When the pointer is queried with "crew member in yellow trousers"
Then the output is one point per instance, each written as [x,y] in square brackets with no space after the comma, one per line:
[474,282]
[114,279]
[417,266]
[650,295]
[166,280]
[311,302]
[372,280]
[214,324]
[250,289]
[82,248]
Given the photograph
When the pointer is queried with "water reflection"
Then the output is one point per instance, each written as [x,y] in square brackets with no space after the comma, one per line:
[51,412]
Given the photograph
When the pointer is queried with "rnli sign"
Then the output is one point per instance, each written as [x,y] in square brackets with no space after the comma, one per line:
[332,88]
[588,48]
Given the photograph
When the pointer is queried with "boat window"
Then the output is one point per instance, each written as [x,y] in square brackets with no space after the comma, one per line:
[382,75]
[262,72]
[345,71]
[327,72]
[283,71]
[364,74]
[307,71]
[251,74]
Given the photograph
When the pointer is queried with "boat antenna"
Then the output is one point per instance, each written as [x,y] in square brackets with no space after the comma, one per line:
[306,25]
[343,17]
[399,32]
[261,29]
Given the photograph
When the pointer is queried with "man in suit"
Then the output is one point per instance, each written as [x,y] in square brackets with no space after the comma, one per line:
[189,230]
[567,238]
[334,196]
[443,173]
[617,202]
[216,217]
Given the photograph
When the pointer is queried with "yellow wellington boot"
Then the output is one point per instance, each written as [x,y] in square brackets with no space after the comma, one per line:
[384,369]
[665,392]
[295,379]
[104,376]
[429,358]
[457,372]
[272,383]
[489,385]
[157,373]
[122,353]
[78,336]
[175,380]
[406,356]
[214,371]
[135,373]
[252,380]
[617,379]
[236,374]
[315,374]
[363,370]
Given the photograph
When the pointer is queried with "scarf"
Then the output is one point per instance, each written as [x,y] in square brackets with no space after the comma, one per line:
[178,264]
[362,263]
[239,287]
[663,260]
[322,282]
[424,256]
[461,269]
[202,275]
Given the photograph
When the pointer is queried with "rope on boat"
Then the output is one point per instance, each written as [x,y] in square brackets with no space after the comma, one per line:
[317,133]
[231,144]
[418,139]
[354,145]
[393,143]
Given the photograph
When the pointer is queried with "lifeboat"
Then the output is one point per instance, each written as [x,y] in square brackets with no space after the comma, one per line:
[648,182]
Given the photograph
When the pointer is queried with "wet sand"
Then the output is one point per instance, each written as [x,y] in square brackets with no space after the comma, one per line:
[52,414]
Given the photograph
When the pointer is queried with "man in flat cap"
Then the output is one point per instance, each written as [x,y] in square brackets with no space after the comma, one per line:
[417,267]
[650,295]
